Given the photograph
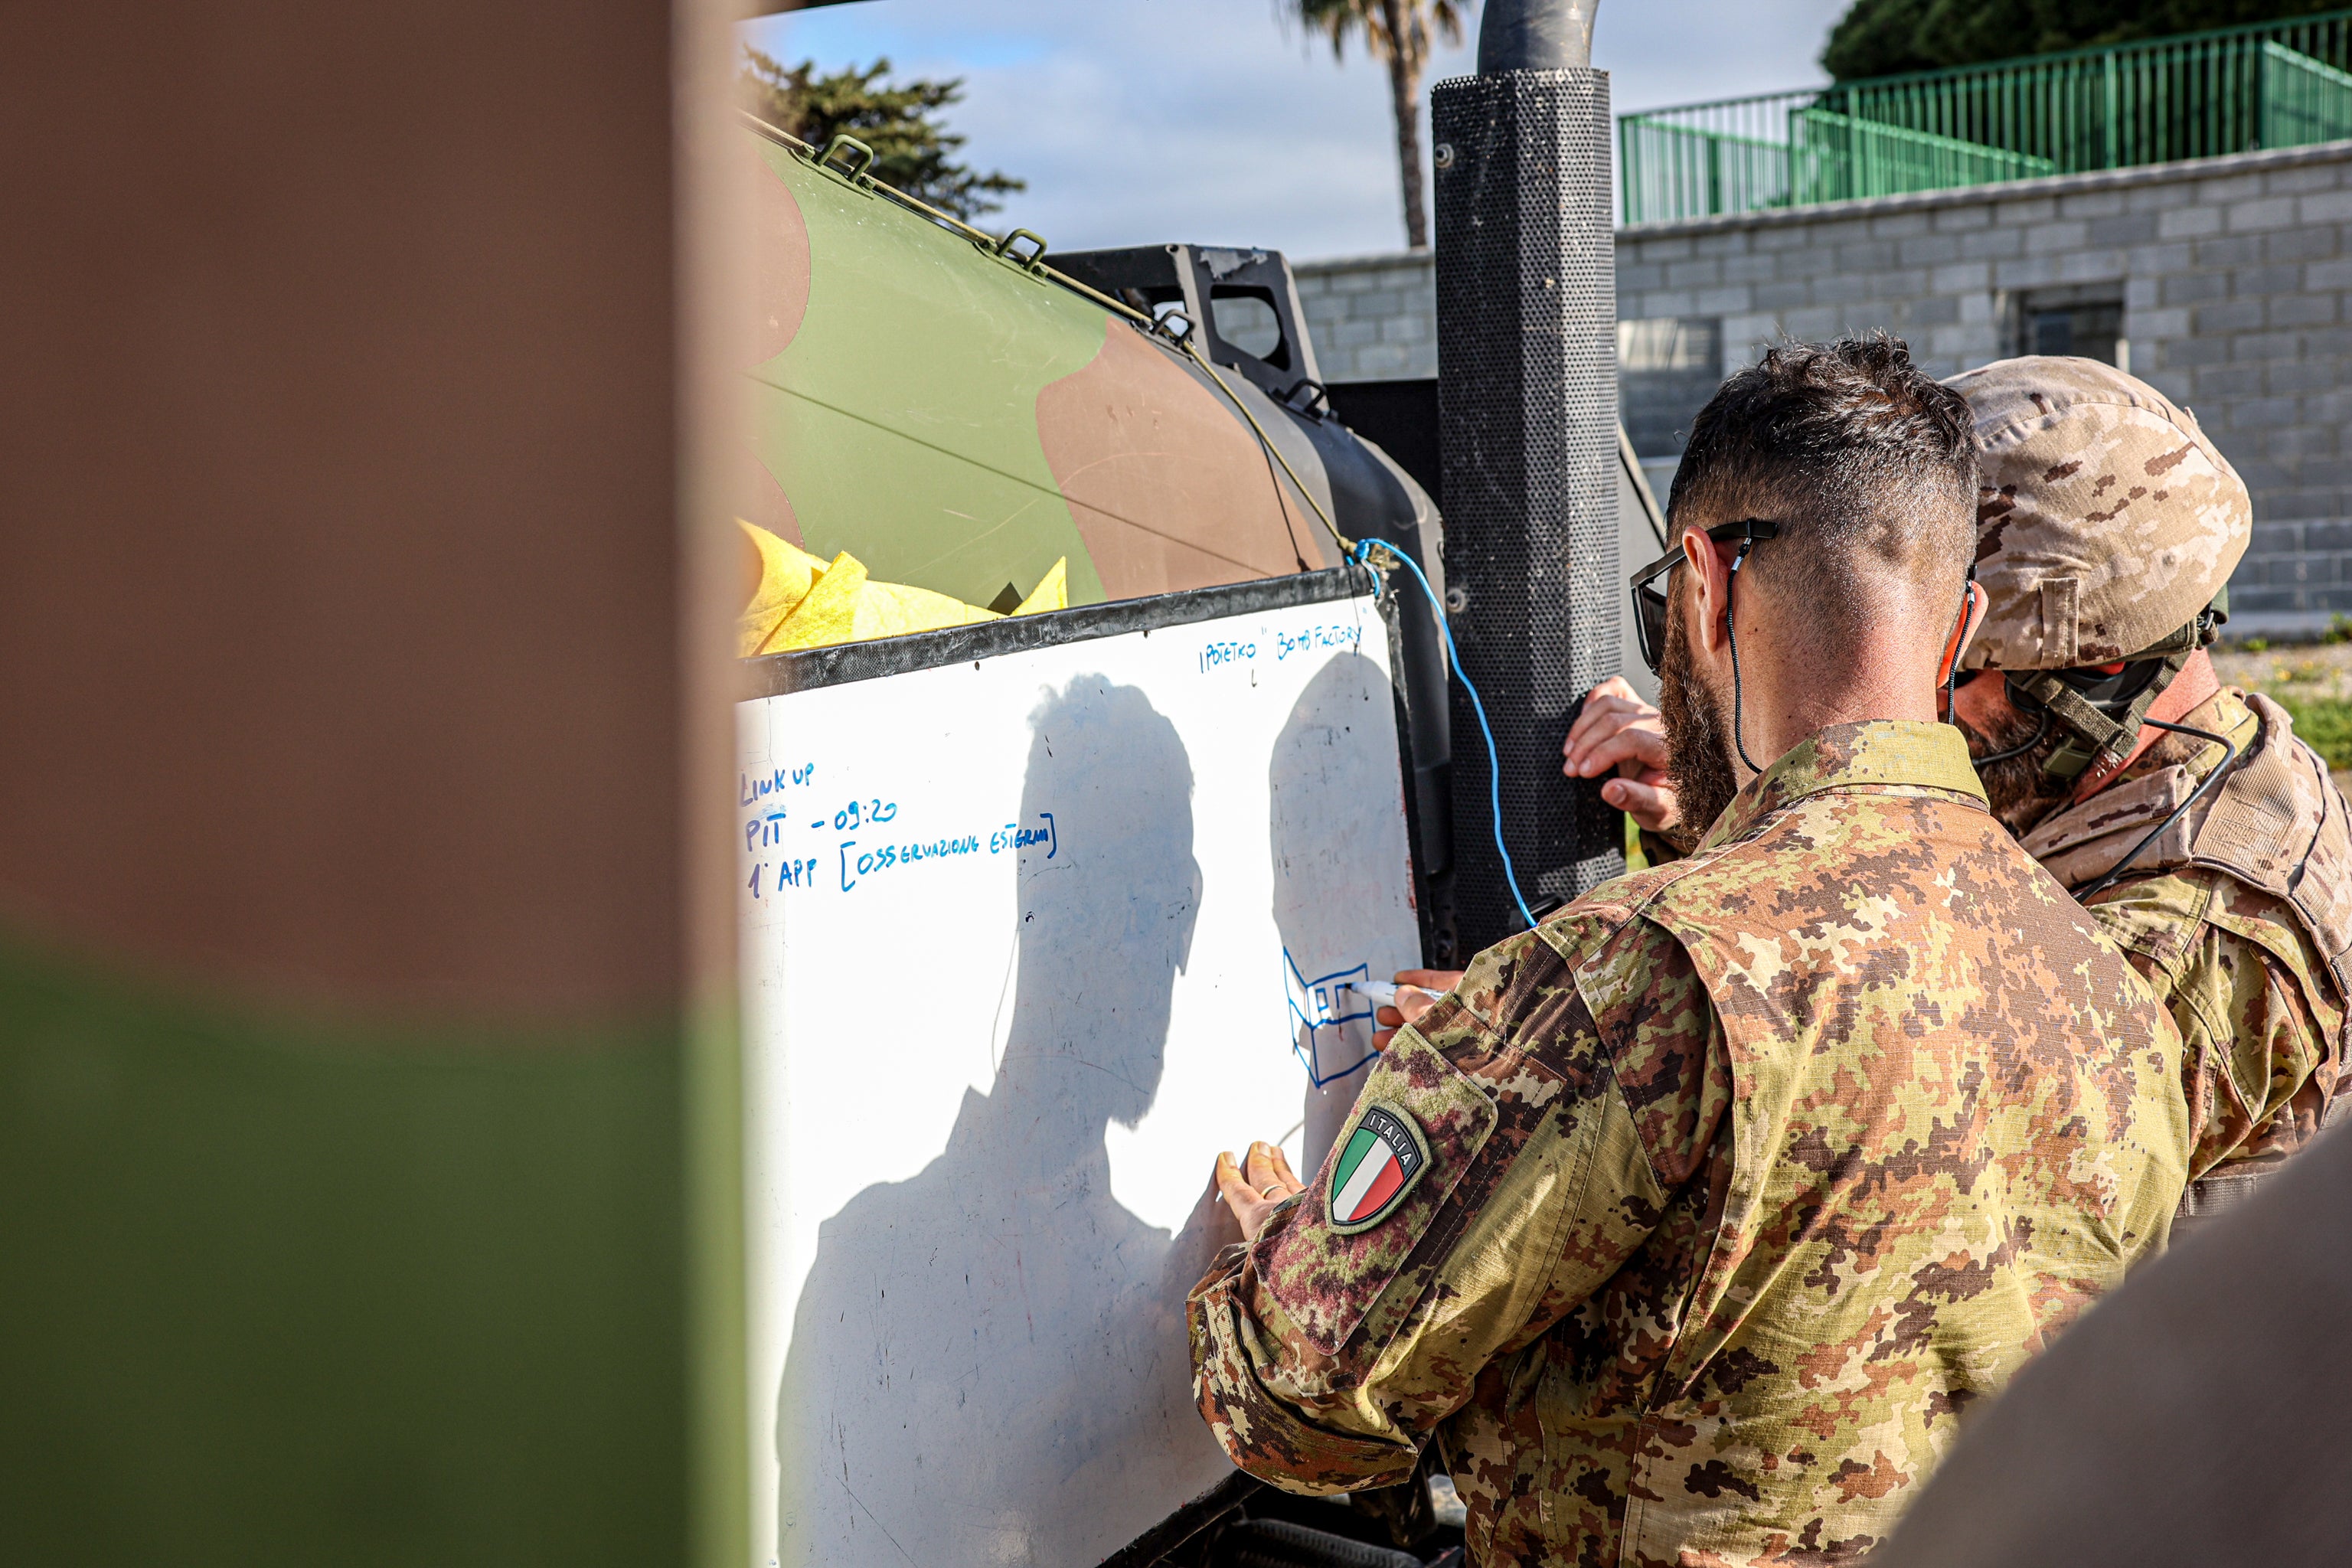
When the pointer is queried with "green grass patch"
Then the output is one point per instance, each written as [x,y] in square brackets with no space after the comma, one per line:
[2325,724]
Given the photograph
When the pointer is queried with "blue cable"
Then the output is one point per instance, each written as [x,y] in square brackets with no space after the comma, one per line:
[1359,555]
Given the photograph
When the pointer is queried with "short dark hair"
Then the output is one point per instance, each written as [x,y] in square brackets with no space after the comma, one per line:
[1868,464]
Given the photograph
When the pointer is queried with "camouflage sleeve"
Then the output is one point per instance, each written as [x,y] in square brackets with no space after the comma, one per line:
[2262,1069]
[2244,986]
[1492,1176]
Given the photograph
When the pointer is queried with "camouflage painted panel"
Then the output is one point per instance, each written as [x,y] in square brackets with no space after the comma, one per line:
[898,413]
[1169,488]
[959,423]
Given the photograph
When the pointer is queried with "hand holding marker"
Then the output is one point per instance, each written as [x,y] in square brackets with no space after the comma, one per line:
[1413,992]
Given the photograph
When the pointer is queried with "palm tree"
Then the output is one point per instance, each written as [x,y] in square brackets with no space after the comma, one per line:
[1398,32]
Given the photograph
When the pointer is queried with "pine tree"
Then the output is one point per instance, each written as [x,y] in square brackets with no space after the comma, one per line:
[913,150]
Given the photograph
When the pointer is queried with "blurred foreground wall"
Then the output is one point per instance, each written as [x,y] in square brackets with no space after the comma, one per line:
[348,946]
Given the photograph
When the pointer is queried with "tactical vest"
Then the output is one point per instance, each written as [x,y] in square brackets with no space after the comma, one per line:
[2277,824]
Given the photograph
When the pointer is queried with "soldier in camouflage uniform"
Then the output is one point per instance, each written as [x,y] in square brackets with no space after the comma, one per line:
[2108,525]
[2107,528]
[1690,1222]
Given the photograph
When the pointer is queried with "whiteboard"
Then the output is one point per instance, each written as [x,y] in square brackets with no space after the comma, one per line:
[1028,936]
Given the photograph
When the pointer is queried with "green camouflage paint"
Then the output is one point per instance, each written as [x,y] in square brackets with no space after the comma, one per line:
[959,421]
[901,417]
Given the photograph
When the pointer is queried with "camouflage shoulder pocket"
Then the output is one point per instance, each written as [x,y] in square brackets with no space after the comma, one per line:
[1416,1129]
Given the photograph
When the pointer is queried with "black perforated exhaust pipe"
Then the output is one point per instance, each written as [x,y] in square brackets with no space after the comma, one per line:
[1527,335]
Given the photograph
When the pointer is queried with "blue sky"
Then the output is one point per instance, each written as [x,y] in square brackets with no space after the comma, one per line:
[1212,121]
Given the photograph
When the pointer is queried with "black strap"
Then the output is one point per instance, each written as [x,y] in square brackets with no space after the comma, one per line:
[2094,735]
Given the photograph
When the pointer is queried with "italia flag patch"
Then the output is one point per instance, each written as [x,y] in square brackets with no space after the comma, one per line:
[1376,1167]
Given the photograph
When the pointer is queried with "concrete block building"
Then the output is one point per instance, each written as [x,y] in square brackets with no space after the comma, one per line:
[2226,282]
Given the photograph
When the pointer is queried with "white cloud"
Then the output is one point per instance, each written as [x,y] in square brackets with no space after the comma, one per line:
[1213,122]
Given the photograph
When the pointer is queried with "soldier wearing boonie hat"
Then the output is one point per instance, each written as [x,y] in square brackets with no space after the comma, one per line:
[2206,839]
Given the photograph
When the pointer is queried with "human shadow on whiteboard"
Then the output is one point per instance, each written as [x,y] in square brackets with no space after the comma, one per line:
[988,1361]
[1333,806]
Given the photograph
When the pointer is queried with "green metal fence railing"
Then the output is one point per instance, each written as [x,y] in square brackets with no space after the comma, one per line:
[2277,84]
[2303,100]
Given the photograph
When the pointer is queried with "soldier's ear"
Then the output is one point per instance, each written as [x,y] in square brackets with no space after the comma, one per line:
[1709,566]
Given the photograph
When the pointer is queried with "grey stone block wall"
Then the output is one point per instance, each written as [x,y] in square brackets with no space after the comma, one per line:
[2235,276]
[1373,318]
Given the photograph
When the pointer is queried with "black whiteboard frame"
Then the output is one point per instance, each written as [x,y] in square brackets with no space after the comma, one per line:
[781,674]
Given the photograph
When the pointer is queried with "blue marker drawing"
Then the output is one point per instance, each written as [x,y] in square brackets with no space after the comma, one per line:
[1320,1009]
[1013,836]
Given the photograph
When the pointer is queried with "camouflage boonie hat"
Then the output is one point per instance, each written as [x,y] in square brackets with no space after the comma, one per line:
[2106,521]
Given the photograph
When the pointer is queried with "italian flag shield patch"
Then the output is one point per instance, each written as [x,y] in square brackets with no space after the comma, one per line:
[1377,1167]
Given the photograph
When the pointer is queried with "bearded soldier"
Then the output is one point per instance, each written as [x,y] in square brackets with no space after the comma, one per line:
[1689,1222]
[2206,840]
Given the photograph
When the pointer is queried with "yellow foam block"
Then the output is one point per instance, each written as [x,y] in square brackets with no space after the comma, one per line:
[802,602]
[1051,592]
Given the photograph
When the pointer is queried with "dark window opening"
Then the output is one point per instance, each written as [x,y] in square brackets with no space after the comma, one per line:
[2088,327]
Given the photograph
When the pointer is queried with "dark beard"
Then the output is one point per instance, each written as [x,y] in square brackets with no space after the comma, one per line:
[1698,750]
[2019,796]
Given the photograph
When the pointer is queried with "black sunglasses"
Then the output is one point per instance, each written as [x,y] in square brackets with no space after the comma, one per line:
[1650,589]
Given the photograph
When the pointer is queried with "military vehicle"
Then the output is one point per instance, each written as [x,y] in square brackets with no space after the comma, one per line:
[959,411]
[959,414]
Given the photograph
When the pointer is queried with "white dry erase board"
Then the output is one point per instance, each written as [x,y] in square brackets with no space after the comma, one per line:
[1038,916]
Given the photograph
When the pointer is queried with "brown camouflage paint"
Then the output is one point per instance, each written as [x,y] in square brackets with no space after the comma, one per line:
[755,496]
[781,258]
[1799,1147]
[1169,489]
